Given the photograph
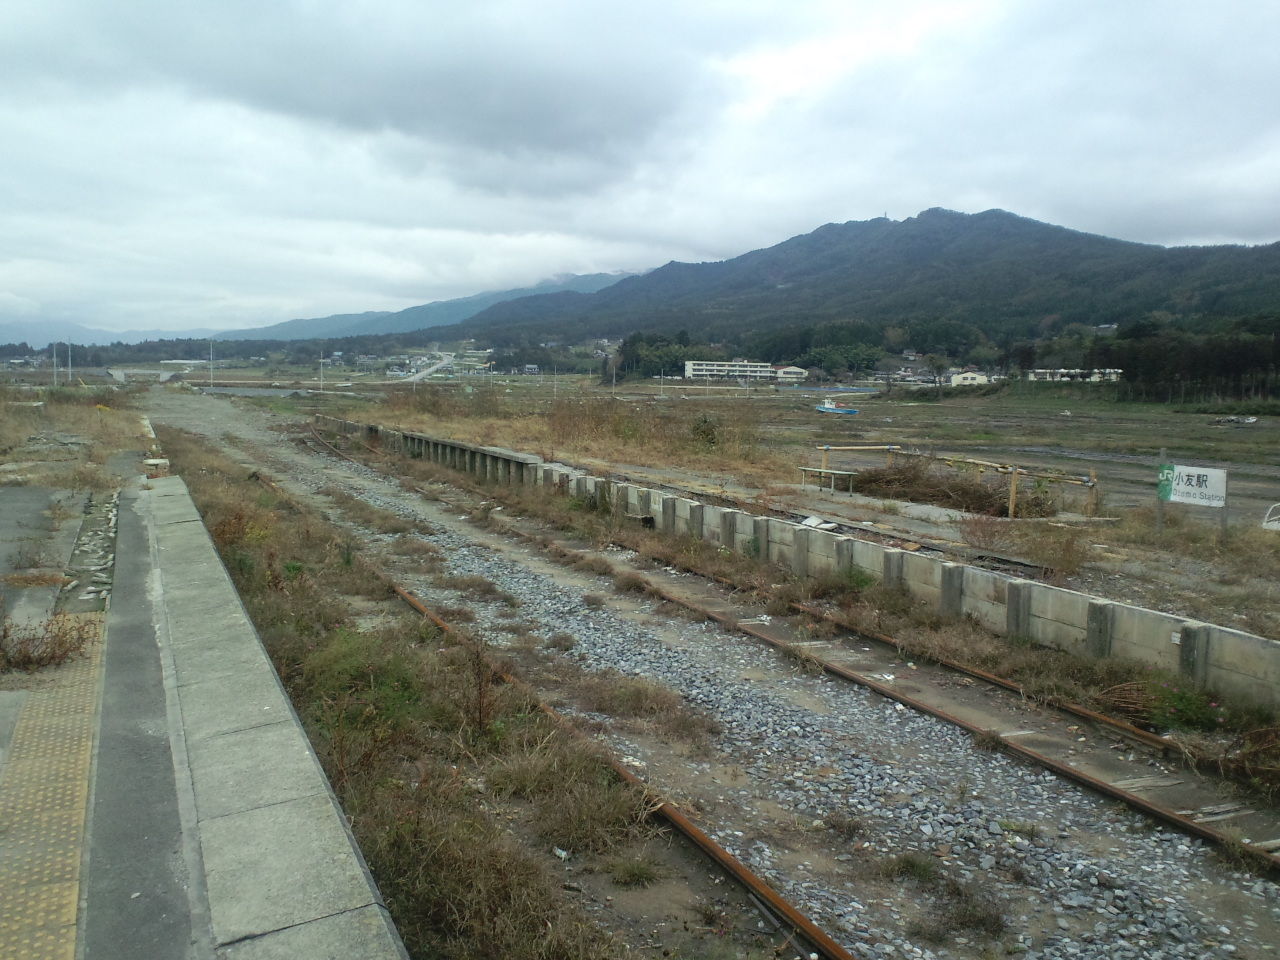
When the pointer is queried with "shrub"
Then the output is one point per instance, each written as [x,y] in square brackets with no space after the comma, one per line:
[1179,706]
[47,643]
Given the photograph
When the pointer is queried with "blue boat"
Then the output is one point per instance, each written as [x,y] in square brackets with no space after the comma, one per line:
[834,407]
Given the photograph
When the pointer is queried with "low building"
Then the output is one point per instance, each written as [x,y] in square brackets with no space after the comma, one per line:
[969,378]
[1100,375]
[727,370]
[740,370]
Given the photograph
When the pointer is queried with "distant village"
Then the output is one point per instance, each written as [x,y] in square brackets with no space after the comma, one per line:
[467,359]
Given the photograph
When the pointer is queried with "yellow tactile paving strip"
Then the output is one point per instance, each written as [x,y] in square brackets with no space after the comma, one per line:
[44,793]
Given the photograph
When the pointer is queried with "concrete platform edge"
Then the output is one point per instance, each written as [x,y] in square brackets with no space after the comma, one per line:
[280,867]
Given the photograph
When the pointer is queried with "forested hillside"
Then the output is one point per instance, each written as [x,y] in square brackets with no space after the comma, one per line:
[940,282]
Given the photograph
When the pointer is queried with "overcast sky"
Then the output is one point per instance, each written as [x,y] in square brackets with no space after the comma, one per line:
[176,163]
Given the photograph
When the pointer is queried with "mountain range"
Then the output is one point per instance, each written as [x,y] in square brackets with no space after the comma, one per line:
[40,333]
[1007,275]
[940,281]
[437,313]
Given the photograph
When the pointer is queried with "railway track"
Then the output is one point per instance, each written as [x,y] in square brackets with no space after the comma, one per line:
[800,932]
[1036,937]
[1108,756]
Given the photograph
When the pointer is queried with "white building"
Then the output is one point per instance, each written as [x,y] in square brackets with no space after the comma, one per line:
[727,370]
[968,378]
[1092,376]
[791,374]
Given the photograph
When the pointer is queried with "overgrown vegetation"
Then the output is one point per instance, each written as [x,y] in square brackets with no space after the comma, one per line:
[717,435]
[1247,550]
[1060,550]
[64,437]
[365,513]
[42,643]
[610,692]
[419,738]
[955,906]
[918,481]
[1239,744]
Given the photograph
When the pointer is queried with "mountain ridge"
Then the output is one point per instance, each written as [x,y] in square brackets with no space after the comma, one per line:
[1006,272]
[420,317]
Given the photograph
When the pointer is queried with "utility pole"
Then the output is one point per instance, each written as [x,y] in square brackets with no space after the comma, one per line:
[211,363]
[68,363]
[54,348]
[322,371]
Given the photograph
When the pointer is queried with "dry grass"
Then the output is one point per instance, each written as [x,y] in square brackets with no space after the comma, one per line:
[480,588]
[101,419]
[635,870]
[629,581]
[35,579]
[44,643]
[32,554]
[410,730]
[1248,551]
[579,803]
[956,906]
[714,435]
[375,518]
[1060,550]
[845,826]
[919,481]
[617,695]
[562,642]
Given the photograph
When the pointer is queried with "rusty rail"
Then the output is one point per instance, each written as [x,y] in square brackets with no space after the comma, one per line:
[782,910]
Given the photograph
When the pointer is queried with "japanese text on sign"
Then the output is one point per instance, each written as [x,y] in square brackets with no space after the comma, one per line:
[1199,485]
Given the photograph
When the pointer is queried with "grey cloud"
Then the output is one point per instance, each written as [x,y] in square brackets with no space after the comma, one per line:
[235,162]
[515,80]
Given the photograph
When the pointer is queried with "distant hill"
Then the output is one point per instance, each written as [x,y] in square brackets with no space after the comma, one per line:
[995,272]
[39,333]
[437,313]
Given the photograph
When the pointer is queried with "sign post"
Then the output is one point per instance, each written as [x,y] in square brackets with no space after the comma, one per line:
[1199,486]
[1160,499]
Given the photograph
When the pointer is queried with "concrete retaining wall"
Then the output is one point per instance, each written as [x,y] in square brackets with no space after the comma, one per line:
[1235,663]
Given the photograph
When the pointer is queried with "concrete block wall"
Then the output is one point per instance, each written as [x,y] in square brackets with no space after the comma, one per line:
[922,577]
[1220,658]
[1147,635]
[1060,616]
[1237,663]
[984,598]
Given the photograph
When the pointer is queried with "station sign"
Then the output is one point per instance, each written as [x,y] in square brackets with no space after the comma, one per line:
[1202,486]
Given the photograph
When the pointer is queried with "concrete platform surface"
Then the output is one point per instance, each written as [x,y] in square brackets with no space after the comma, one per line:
[172,805]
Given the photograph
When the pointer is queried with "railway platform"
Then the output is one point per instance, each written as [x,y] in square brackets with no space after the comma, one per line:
[158,796]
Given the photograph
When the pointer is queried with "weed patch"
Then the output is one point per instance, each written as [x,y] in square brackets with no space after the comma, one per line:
[633,871]
[45,643]
[921,482]
[621,696]
[405,728]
